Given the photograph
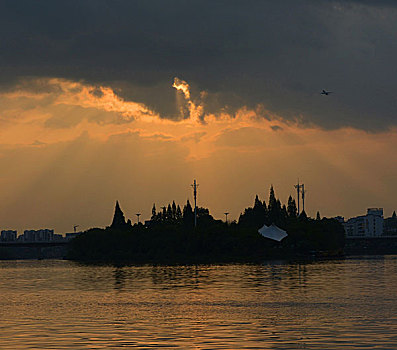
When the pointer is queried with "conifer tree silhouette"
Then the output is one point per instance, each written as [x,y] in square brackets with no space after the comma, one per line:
[118,218]
[173,210]
[188,216]
[291,208]
[178,213]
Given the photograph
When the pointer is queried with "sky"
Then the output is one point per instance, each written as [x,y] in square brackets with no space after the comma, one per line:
[131,101]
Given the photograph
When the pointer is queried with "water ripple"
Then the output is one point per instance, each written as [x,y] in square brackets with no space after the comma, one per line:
[344,304]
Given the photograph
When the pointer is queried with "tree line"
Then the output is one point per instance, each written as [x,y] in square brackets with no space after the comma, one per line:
[252,217]
[170,236]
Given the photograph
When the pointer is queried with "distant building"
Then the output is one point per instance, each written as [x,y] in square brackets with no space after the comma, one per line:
[58,237]
[370,225]
[71,235]
[38,235]
[8,236]
[390,225]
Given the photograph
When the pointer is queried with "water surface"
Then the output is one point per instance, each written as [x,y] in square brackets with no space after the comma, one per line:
[341,304]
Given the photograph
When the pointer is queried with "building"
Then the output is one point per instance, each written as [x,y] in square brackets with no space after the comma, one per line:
[58,237]
[8,236]
[71,235]
[38,235]
[390,227]
[370,225]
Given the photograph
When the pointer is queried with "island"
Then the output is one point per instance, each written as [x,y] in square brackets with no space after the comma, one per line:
[173,236]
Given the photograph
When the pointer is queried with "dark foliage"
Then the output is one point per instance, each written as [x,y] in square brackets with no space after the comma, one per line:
[172,238]
[119,219]
[170,244]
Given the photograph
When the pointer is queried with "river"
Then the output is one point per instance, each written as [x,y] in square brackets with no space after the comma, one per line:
[337,304]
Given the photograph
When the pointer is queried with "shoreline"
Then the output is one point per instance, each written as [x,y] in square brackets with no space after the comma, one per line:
[353,247]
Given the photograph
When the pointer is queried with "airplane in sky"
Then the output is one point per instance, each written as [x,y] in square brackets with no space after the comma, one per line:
[326,92]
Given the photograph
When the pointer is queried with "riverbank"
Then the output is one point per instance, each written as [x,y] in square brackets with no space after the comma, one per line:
[33,251]
[220,243]
[353,247]
[199,252]
[371,246]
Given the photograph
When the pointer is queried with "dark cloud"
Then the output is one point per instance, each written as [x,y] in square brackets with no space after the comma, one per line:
[373,3]
[279,54]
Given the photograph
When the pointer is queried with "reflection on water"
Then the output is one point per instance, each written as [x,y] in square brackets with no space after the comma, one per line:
[341,304]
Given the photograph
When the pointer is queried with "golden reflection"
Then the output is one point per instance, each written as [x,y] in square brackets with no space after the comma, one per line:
[216,306]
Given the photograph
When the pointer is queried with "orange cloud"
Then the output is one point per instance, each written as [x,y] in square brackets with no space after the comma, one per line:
[63,140]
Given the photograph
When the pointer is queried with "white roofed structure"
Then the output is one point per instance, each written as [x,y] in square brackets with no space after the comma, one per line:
[273,232]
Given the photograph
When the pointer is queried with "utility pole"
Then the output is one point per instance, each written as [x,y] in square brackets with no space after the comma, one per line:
[138,215]
[298,190]
[195,185]
[226,214]
[303,196]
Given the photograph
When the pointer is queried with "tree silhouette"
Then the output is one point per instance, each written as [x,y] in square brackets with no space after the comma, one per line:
[178,213]
[272,199]
[283,216]
[118,218]
[303,216]
[274,208]
[173,235]
[173,207]
[169,214]
[257,202]
[318,217]
[291,208]
[259,213]
[154,213]
[264,206]
[188,216]
[256,216]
